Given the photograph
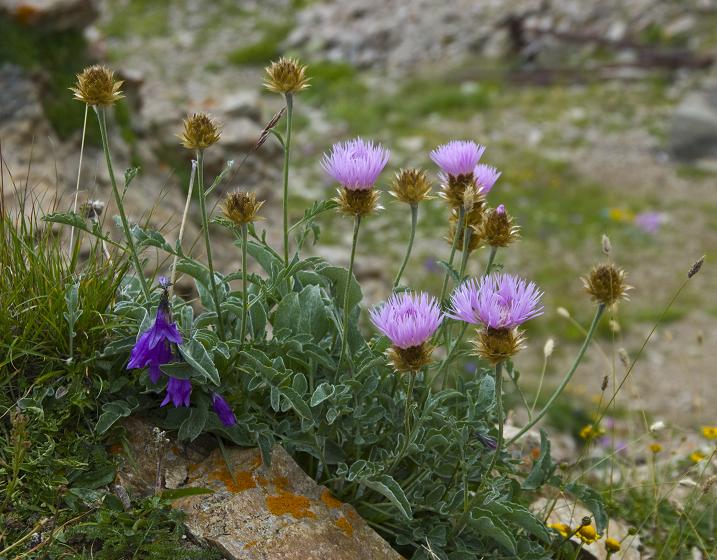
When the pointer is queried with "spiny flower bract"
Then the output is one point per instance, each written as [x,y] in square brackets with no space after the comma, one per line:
[497,301]
[286,75]
[200,132]
[96,86]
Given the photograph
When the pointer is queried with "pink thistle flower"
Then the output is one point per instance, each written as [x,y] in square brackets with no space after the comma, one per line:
[355,164]
[408,320]
[458,157]
[498,301]
[649,222]
[485,176]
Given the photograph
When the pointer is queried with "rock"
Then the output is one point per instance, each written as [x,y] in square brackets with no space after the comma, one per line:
[693,130]
[244,103]
[55,15]
[276,513]
[254,512]
[571,513]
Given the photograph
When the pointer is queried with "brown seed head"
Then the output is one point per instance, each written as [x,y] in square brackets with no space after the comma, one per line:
[200,132]
[96,86]
[241,208]
[411,186]
[410,359]
[497,345]
[286,75]
[606,284]
[453,189]
[357,203]
[497,229]
[473,219]
[695,268]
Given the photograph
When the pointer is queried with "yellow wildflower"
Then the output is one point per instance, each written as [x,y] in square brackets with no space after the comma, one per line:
[591,432]
[562,528]
[655,447]
[697,456]
[612,545]
[710,432]
[588,534]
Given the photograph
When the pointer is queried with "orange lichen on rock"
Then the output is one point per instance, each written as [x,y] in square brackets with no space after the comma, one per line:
[250,544]
[329,500]
[292,504]
[281,483]
[243,480]
[261,480]
[256,462]
[345,525]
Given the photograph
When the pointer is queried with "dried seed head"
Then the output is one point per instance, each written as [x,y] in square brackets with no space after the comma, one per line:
[497,229]
[92,209]
[286,75]
[200,132]
[358,202]
[472,197]
[624,358]
[410,359]
[603,385]
[454,187]
[241,207]
[548,348]
[411,186]
[695,268]
[563,312]
[472,219]
[96,86]
[606,284]
[497,345]
[606,245]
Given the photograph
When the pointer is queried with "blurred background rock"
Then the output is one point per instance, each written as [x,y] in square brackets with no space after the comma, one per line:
[602,116]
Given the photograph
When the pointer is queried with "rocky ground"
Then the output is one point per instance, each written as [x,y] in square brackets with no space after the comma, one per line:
[595,111]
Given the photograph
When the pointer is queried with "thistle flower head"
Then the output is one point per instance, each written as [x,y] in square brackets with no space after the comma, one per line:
[286,75]
[357,203]
[458,157]
[96,86]
[355,164]
[606,284]
[497,345]
[497,229]
[409,321]
[485,177]
[152,348]
[178,392]
[497,301]
[411,186]
[200,132]
[223,410]
[241,207]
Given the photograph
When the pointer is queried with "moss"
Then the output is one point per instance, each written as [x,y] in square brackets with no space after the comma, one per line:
[265,49]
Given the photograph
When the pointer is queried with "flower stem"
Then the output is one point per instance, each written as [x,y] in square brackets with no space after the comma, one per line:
[287,148]
[467,232]
[349,272]
[207,244]
[499,415]
[409,400]
[102,120]
[568,376]
[245,293]
[75,250]
[491,258]
[459,226]
[173,276]
[414,220]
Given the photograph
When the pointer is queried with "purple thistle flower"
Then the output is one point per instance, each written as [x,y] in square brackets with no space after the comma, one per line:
[223,410]
[152,347]
[355,164]
[408,320]
[458,157]
[485,176]
[178,391]
[649,222]
[498,301]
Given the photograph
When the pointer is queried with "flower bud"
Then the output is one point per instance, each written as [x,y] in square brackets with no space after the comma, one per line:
[497,229]
[286,75]
[241,207]
[200,132]
[411,186]
[606,284]
[97,86]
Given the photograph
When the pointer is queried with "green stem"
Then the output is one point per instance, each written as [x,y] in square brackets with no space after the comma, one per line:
[459,226]
[102,119]
[76,250]
[414,220]
[499,414]
[568,376]
[245,294]
[491,258]
[287,148]
[182,225]
[409,400]
[349,272]
[467,232]
[207,243]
